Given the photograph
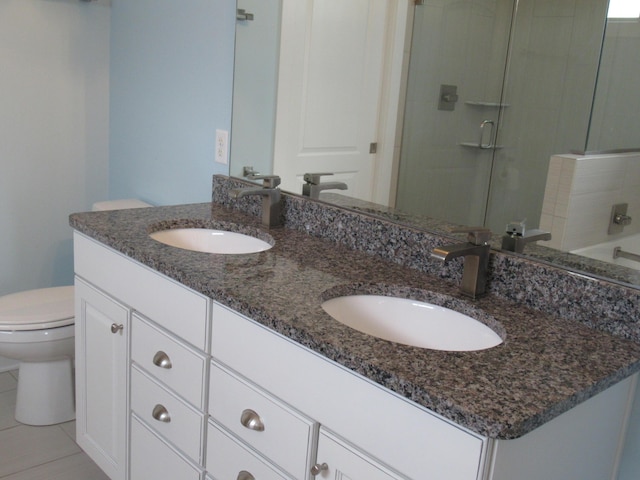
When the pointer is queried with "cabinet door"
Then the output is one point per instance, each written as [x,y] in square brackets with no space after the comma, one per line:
[102,327]
[339,461]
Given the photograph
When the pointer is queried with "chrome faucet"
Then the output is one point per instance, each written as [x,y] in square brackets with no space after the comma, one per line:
[271,205]
[476,262]
[517,236]
[313,187]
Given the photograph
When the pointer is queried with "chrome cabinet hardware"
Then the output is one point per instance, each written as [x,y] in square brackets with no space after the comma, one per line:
[244,475]
[115,328]
[162,360]
[319,468]
[161,414]
[251,420]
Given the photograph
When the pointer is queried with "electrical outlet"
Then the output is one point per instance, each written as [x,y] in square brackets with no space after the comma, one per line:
[222,147]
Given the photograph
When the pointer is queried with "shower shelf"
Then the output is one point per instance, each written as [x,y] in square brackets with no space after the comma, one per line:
[486,104]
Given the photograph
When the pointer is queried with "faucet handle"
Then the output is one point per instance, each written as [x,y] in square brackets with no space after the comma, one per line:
[314,178]
[475,235]
[268,181]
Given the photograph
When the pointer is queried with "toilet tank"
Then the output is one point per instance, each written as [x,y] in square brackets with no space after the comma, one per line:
[119,204]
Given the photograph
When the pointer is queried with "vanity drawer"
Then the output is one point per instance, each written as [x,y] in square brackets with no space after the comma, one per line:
[227,458]
[174,419]
[152,458]
[286,437]
[173,363]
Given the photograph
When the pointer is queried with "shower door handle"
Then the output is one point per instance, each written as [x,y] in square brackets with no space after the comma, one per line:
[482,134]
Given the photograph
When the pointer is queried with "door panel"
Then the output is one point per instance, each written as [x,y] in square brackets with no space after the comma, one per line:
[332,61]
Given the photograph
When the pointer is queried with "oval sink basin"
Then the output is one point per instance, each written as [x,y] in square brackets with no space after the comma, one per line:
[210,240]
[411,322]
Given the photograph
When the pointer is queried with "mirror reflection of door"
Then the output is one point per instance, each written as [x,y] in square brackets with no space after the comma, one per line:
[523,66]
[334,62]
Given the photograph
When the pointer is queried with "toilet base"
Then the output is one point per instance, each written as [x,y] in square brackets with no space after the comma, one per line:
[45,392]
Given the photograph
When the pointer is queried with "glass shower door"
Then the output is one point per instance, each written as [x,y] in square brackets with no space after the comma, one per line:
[453,106]
[518,79]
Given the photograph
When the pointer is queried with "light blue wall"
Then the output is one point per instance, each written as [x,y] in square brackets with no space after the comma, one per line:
[54,84]
[171,88]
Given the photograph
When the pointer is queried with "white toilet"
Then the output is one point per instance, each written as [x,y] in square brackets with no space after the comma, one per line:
[37,330]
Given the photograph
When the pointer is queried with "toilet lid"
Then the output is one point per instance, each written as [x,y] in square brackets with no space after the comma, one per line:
[37,309]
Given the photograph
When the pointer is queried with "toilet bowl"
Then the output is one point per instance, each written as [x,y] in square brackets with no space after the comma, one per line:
[37,329]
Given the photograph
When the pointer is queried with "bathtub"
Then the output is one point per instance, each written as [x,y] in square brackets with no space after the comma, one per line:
[605,251]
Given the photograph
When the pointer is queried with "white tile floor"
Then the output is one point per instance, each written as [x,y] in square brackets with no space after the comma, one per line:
[38,453]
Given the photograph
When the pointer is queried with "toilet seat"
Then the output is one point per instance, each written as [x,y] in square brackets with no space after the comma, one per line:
[37,309]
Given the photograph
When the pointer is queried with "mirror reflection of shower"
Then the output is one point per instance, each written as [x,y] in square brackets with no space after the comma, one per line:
[522,95]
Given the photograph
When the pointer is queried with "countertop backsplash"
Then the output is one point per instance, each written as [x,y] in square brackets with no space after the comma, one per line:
[597,303]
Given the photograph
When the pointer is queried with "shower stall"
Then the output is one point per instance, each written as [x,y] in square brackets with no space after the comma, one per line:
[494,88]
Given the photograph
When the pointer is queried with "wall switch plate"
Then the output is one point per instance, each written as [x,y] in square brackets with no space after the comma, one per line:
[222,147]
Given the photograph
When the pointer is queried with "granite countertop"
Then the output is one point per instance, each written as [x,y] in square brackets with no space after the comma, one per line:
[545,366]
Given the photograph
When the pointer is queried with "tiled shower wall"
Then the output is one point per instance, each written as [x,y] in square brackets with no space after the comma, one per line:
[580,192]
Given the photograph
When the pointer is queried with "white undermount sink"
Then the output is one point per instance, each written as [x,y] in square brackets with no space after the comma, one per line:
[412,322]
[210,240]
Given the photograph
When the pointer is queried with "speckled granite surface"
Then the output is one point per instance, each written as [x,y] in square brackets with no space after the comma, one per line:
[597,303]
[538,252]
[545,366]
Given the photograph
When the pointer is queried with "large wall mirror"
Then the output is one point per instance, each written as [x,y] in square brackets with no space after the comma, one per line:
[450,111]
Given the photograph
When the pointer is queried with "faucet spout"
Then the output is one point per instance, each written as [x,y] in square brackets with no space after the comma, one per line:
[271,198]
[476,259]
[516,243]
[446,253]
[314,186]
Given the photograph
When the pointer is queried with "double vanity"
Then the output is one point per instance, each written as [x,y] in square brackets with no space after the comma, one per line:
[228,365]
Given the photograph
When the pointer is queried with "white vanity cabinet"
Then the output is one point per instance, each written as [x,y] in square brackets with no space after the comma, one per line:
[337,460]
[263,423]
[391,435]
[171,385]
[102,331]
[152,457]
[142,389]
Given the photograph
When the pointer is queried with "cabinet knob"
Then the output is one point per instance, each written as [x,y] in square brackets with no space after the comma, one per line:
[244,475]
[251,420]
[162,360]
[161,414]
[319,468]
[115,328]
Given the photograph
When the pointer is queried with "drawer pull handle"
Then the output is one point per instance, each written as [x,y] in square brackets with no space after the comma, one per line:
[244,475]
[162,360]
[318,468]
[251,420]
[115,328]
[161,414]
